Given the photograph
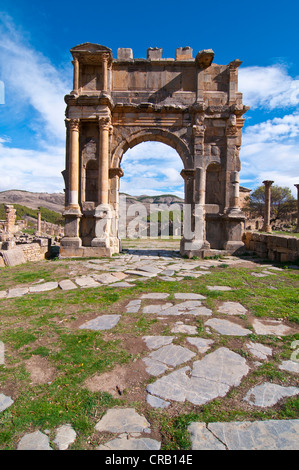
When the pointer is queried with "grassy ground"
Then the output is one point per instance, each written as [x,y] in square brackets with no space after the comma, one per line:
[42,328]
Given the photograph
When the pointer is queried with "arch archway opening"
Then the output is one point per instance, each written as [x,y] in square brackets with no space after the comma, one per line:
[152,194]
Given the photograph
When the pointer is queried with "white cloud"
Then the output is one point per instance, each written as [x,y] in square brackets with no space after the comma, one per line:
[32,170]
[270,87]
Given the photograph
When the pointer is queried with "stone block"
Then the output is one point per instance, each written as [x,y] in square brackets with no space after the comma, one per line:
[124,53]
[154,53]
[184,53]
[13,257]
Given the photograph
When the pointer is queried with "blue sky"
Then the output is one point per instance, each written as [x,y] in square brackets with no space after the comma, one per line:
[36,70]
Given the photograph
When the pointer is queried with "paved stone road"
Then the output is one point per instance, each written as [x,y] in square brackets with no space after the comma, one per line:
[187,372]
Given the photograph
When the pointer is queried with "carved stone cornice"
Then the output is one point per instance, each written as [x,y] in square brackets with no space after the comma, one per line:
[113,172]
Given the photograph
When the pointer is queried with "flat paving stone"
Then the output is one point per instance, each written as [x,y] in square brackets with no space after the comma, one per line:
[181,327]
[156,402]
[65,436]
[201,344]
[43,287]
[290,366]
[220,288]
[227,328]
[246,435]
[17,292]
[3,294]
[86,281]
[5,402]
[125,443]
[172,355]
[270,327]
[188,296]
[232,308]
[154,367]
[268,394]
[34,441]
[133,306]
[259,350]
[155,295]
[156,342]
[119,420]
[67,284]
[211,377]
[158,308]
[103,322]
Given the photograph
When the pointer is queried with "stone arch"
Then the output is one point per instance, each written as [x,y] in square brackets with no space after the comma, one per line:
[152,135]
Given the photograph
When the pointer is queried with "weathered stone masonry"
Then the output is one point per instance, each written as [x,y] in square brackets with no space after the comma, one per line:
[189,103]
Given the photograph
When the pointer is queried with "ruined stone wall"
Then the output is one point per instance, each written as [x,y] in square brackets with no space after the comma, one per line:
[273,247]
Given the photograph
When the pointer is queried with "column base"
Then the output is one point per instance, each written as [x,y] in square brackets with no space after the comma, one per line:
[190,248]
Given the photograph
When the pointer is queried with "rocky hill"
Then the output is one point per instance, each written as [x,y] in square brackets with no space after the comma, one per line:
[55,201]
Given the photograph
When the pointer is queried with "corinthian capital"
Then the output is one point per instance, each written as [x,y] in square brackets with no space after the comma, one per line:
[104,123]
[72,124]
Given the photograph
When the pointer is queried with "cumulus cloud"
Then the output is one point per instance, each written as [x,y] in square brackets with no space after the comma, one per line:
[32,79]
[270,87]
[152,168]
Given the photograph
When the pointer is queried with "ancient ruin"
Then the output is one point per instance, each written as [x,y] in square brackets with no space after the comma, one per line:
[189,103]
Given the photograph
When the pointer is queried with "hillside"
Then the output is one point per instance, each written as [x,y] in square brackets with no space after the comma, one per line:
[55,201]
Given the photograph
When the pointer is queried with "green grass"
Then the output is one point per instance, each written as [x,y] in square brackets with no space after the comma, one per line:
[46,326]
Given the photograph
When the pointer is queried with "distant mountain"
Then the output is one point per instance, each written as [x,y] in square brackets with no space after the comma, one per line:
[55,201]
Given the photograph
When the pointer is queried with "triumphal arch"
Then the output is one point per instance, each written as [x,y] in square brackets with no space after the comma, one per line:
[187,102]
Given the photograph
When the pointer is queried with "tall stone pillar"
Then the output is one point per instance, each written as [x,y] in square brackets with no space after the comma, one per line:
[72,211]
[76,75]
[297,227]
[267,226]
[103,165]
[194,241]
[105,73]
[103,212]
[39,223]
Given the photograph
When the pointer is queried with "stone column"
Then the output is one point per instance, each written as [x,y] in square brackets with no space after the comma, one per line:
[297,227]
[76,75]
[73,196]
[103,163]
[193,242]
[267,226]
[103,212]
[39,223]
[236,191]
[105,73]
[72,213]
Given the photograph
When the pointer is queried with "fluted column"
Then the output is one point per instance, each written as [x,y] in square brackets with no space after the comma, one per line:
[76,75]
[73,199]
[267,226]
[103,186]
[297,227]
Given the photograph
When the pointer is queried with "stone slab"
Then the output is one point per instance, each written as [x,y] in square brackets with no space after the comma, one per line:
[119,420]
[86,281]
[257,435]
[259,350]
[268,394]
[67,284]
[34,441]
[156,342]
[13,257]
[156,402]
[154,367]
[270,327]
[17,292]
[188,296]
[232,308]
[227,328]
[125,443]
[103,322]
[181,327]
[172,355]
[155,295]
[220,288]
[133,306]
[5,401]
[65,436]
[290,366]
[43,287]
[201,344]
